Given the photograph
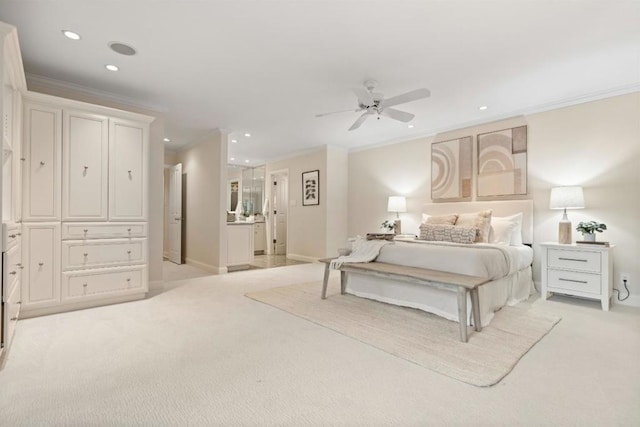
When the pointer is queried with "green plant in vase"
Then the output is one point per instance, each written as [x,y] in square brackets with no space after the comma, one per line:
[589,228]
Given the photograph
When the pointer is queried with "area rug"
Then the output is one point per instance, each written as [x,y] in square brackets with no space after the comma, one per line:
[425,339]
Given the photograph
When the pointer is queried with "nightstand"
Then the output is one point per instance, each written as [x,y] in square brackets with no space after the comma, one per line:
[581,270]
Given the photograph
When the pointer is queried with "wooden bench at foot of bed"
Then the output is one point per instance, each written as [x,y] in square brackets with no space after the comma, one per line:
[458,283]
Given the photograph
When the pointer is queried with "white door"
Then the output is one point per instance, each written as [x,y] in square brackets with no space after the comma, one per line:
[41,276]
[85,148]
[128,156]
[175,214]
[280,200]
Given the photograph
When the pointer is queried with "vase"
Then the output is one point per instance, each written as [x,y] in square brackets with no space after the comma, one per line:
[589,237]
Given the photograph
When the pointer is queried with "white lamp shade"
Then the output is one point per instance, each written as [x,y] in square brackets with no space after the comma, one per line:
[566,198]
[397,204]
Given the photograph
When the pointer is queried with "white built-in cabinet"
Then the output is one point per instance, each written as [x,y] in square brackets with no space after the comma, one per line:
[85,205]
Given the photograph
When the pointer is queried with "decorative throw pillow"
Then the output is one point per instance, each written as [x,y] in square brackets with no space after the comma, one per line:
[481,220]
[516,232]
[448,233]
[442,219]
[501,232]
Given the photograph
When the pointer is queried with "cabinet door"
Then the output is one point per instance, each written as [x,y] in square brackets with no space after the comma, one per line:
[85,150]
[128,145]
[41,276]
[41,172]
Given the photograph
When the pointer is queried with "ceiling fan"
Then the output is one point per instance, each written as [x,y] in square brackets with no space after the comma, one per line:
[374,103]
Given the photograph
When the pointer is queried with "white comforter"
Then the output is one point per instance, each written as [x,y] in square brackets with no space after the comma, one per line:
[482,260]
[508,267]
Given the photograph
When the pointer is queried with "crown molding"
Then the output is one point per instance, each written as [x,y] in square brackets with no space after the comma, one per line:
[47,82]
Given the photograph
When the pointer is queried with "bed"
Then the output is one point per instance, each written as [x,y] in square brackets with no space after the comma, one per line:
[506,264]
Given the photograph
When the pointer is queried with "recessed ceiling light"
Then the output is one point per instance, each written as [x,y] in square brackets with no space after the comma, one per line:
[483,107]
[122,49]
[410,126]
[111,67]
[234,140]
[166,140]
[246,161]
[71,35]
[248,135]
[233,158]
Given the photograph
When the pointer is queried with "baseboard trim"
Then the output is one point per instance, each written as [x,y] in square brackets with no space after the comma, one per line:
[63,308]
[632,301]
[302,258]
[206,267]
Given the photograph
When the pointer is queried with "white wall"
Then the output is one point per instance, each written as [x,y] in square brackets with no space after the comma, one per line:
[595,144]
[315,231]
[204,175]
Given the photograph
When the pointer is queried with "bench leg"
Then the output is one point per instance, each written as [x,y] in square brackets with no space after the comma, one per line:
[343,282]
[325,281]
[475,309]
[462,313]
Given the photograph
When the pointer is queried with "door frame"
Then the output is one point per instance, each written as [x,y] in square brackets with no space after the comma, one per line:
[271,218]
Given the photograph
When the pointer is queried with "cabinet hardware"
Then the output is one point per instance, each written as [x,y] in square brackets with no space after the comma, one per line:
[129,252]
[86,254]
[128,280]
[574,281]
[21,267]
[41,163]
[14,319]
[13,236]
[13,273]
[84,285]
[86,231]
[41,264]
[572,259]
[129,230]
[19,302]
[22,159]
[18,234]
[86,167]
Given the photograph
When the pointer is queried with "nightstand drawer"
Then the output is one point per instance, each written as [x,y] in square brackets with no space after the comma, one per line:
[573,281]
[574,260]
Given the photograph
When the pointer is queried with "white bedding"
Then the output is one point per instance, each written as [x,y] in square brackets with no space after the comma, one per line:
[508,267]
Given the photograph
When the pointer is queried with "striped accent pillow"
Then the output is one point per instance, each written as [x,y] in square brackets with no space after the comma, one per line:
[448,233]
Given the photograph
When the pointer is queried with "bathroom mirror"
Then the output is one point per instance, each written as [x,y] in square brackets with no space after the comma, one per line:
[249,183]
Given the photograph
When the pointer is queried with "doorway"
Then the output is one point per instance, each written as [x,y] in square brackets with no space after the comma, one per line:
[279,212]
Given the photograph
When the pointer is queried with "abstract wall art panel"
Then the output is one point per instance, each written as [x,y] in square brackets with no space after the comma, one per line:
[502,163]
[451,168]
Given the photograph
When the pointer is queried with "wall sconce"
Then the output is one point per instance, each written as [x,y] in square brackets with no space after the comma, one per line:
[566,198]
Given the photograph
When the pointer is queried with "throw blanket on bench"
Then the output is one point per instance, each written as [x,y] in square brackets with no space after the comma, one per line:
[362,251]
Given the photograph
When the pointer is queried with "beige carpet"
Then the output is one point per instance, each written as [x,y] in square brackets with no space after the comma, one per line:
[416,336]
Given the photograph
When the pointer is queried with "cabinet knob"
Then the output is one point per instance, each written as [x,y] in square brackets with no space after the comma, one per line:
[41,264]
[86,167]
[21,267]
[86,231]
[129,252]
[128,280]
[86,254]
[13,319]
[18,234]
[41,163]
[84,285]
[19,302]
[129,230]
[13,273]
[13,236]
[22,159]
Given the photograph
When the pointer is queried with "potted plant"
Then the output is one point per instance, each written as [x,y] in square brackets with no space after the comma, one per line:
[589,228]
[389,225]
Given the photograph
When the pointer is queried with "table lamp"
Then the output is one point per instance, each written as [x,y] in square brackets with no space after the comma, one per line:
[397,204]
[566,198]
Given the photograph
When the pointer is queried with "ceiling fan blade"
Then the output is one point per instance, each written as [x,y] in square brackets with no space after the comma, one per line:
[364,97]
[341,111]
[360,120]
[405,97]
[403,116]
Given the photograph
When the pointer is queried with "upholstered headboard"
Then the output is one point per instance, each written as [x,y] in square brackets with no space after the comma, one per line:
[499,208]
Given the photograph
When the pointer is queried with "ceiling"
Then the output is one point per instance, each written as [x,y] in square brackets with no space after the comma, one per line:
[268,67]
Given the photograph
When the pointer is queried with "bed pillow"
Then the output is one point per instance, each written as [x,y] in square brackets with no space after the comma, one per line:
[516,232]
[448,233]
[501,231]
[481,220]
[441,219]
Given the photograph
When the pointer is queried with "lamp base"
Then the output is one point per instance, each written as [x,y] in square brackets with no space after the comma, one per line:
[397,226]
[564,232]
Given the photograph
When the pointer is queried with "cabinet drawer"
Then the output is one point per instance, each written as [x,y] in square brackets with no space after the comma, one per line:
[13,312]
[573,281]
[105,230]
[104,282]
[78,254]
[574,260]
[12,269]
[11,235]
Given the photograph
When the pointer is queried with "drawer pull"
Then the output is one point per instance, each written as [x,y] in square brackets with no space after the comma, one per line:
[85,254]
[129,230]
[13,236]
[41,163]
[84,285]
[129,252]
[572,259]
[128,280]
[41,264]
[14,319]
[21,267]
[19,302]
[86,231]
[574,281]
[13,273]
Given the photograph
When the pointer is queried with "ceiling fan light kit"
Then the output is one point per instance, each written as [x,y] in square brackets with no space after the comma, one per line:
[371,103]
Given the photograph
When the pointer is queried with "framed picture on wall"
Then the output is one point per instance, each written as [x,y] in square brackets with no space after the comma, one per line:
[451,170]
[502,163]
[311,188]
